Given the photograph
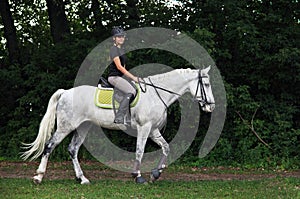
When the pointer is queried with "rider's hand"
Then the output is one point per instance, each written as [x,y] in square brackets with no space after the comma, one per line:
[136,79]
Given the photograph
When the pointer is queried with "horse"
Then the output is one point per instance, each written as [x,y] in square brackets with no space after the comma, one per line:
[148,117]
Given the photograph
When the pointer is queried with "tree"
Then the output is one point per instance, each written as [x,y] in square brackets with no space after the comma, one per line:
[255,45]
[133,13]
[9,31]
[95,8]
[58,20]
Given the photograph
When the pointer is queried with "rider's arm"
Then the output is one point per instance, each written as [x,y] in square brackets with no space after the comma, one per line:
[117,61]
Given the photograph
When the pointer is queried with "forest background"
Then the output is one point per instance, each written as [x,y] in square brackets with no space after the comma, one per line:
[255,45]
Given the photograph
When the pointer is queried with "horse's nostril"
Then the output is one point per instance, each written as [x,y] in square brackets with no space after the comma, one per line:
[213,107]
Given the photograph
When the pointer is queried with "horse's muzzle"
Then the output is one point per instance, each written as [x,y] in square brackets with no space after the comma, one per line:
[208,107]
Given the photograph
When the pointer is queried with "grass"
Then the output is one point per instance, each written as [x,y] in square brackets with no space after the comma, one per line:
[268,188]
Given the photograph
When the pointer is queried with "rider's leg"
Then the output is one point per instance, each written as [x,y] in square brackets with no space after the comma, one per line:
[127,88]
[122,84]
[123,109]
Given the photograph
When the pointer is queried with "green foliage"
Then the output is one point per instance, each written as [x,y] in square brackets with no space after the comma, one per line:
[255,46]
[238,145]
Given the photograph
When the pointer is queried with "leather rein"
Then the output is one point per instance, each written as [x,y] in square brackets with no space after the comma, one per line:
[195,98]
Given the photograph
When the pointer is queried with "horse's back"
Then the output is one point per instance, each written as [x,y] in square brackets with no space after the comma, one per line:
[80,91]
[77,98]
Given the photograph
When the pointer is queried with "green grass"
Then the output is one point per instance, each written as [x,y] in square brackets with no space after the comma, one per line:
[268,188]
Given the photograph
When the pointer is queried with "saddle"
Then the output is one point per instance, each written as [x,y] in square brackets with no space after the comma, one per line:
[105,94]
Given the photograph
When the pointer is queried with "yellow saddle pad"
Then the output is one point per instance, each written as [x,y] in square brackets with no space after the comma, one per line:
[104,98]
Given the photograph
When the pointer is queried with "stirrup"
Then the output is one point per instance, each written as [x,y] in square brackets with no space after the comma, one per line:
[127,120]
[119,121]
[124,121]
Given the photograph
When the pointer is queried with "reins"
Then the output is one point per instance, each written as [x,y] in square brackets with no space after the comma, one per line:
[199,84]
[155,87]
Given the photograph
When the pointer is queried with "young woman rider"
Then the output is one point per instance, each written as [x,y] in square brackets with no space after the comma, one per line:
[117,69]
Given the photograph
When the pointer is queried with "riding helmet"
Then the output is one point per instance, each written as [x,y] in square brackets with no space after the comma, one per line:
[117,31]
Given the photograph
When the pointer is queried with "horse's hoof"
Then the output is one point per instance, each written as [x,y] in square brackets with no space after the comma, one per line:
[134,175]
[140,180]
[78,179]
[152,178]
[155,173]
[85,182]
[37,180]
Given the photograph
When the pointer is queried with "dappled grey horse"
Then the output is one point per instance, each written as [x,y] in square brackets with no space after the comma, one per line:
[148,117]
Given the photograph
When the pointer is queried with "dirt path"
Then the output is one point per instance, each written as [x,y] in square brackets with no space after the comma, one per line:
[97,171]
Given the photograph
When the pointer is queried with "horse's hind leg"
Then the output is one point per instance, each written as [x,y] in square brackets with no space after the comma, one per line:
[56,138]
[77,140]
[158,139]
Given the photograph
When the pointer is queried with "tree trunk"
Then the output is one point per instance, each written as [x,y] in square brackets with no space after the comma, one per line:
[95,8]
[58,20]
[10,32]
[133,13]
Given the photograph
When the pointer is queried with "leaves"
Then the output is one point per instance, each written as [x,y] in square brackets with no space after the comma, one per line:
[255,44]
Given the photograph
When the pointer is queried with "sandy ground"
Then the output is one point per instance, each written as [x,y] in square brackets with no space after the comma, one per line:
[97,171]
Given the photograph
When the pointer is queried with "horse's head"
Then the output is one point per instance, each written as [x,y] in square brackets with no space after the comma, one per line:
[200,88]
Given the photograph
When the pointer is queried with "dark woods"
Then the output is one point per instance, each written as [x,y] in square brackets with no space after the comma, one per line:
[255,45]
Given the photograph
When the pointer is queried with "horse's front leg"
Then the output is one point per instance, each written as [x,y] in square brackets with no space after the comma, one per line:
[142,136]
[158,139]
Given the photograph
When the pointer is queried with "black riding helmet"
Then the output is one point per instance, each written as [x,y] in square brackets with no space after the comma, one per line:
[117,31]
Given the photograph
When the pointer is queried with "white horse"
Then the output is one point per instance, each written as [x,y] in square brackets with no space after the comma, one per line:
[148,117]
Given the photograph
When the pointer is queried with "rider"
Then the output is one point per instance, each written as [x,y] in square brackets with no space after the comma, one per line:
[117,70]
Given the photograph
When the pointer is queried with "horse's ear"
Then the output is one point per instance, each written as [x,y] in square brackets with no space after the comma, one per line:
[206,70]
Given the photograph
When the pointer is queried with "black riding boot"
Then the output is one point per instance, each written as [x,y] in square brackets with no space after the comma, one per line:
[123,109]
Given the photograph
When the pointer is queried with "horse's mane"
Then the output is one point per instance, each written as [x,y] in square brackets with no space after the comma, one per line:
[171,73]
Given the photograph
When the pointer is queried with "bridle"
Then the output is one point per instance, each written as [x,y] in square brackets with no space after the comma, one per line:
[203,100]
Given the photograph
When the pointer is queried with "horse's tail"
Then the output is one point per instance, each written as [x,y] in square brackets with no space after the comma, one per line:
[45,130]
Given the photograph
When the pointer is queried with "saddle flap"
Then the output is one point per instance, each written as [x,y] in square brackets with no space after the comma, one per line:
[104,98]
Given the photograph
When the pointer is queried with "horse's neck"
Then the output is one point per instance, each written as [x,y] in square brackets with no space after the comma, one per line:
[176,81]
